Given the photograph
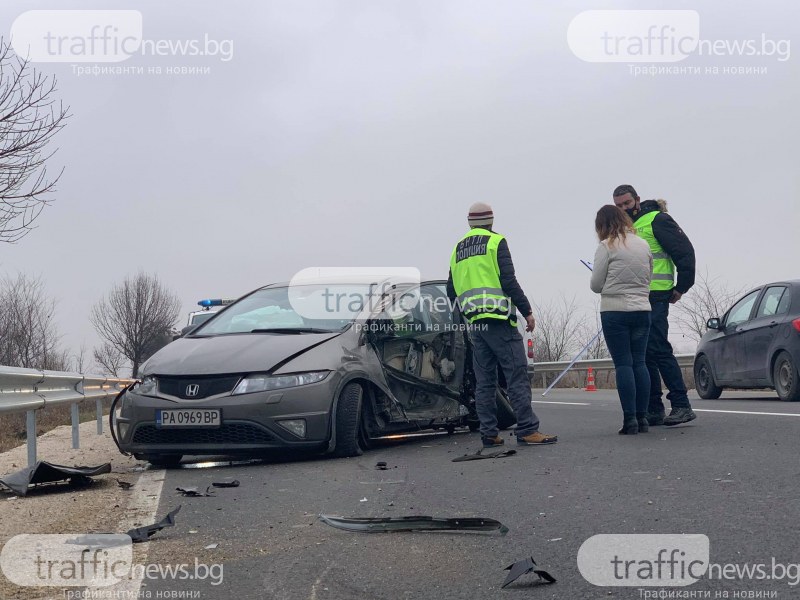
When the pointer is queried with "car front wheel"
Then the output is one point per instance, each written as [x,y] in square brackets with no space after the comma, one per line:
[704,380]
[785,378]
[347,421]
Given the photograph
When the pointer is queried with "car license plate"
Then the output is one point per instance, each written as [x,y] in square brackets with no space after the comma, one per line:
[189,417]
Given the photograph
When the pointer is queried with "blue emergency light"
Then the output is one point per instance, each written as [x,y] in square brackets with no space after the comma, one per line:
[215,302]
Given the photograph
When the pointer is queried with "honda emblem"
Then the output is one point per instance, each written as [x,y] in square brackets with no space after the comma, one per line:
[192,390]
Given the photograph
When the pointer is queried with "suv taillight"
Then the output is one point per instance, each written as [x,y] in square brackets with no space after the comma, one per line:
[530,346]
[796,324]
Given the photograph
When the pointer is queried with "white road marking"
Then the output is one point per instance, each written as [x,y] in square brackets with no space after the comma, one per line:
[142,509]
[553,402]
[746,412]
[313,595]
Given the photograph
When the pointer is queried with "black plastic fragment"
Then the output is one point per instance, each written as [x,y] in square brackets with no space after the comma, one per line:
[192,492]
[521,567]
[45,472]
[143,534]
[414,523]
[125,485]
[226,484]
[479,455]
[381,466]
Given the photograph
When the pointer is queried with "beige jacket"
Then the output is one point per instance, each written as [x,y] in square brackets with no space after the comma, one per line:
[621,274]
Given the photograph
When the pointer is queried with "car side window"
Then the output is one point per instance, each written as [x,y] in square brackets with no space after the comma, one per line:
[435,307]
[741,310]
[771,302]
[786,301]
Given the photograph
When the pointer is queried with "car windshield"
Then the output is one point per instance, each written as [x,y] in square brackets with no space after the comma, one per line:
[202,317]
[290,310]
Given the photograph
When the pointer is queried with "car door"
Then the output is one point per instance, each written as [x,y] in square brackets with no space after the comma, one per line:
[423,353]
[759,333]
[729,348]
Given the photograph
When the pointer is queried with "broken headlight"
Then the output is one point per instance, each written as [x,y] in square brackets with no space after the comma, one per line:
[266,383]
[148,386]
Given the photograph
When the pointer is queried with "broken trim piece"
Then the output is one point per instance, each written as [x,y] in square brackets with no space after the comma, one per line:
[143,534]
[480,456]
[193,492]
[414,523]
[521,567]
[45,472]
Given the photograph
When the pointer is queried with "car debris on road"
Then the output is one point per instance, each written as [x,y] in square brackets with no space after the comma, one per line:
[479,455]
[192,492]
[521,567]
[226,484]
[413,523]
[144,533]
[45,472]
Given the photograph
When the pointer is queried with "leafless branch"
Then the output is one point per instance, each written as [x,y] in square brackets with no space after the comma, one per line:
[708,298]
[30,117]
[136,317]
[557,329]
[29,337]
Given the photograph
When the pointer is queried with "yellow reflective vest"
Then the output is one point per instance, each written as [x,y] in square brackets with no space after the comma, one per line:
[663,267]
[476,277]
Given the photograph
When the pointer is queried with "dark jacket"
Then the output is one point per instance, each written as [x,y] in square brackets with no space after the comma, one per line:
[508,281]
[675,243]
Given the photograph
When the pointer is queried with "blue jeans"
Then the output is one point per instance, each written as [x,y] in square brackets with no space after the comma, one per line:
[626,336]
[661,362]
[496,342]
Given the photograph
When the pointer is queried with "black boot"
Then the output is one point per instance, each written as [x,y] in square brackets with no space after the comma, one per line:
[630,426]
[644,426]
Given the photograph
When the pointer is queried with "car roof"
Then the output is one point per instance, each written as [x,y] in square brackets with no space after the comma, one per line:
[352,282]
[787,282]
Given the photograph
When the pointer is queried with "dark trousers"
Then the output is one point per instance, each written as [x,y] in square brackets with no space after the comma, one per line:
[661,362]
[497,342]
[626,338]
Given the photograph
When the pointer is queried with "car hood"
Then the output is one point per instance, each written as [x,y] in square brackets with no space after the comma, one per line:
[237,353]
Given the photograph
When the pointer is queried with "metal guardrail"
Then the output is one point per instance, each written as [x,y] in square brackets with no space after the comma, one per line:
[598,364]
[30,390]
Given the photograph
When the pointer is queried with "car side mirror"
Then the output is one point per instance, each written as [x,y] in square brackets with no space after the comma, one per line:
[713,323]
[186,330]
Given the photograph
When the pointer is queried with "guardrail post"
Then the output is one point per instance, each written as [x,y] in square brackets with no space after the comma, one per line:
[30,432]
[544,380]
[76,423]
[98,404]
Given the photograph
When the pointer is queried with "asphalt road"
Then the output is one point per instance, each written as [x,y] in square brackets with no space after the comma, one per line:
[732,475]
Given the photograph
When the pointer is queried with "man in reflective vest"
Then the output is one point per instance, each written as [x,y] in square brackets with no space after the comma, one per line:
[671,250]
[483,282]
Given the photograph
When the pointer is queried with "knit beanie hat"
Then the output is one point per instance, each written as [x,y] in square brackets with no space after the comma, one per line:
[480,215]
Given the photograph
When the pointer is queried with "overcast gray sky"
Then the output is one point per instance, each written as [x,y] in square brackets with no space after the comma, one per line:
[358,132]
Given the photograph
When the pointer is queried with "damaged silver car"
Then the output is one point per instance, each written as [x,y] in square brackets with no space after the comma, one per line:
[262,375]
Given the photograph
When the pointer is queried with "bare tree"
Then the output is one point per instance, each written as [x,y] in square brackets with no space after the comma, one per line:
[77,360]
[29,118]
[557,329]
[109,359]
[707,298]
[29,337]
[587,330]
[136,317]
